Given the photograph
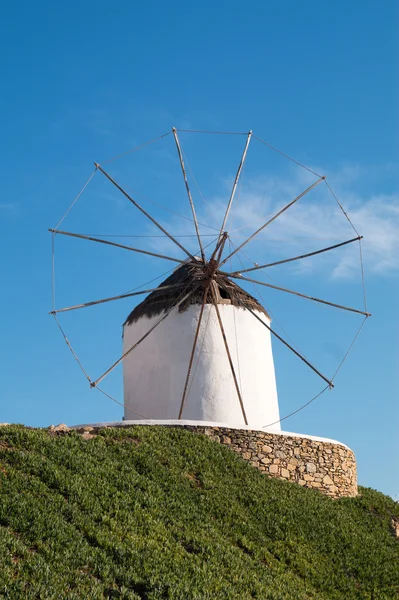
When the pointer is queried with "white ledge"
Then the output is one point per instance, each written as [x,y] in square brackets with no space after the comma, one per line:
[182,422]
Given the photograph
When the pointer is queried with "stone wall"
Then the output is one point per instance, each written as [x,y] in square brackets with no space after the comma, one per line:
[328,467]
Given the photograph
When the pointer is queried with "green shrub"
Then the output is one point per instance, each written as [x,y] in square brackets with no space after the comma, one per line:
[157,512]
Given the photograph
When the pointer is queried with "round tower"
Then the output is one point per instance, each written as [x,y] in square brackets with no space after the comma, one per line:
[231,380]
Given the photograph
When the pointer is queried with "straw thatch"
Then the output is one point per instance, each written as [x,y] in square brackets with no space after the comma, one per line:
[186,277]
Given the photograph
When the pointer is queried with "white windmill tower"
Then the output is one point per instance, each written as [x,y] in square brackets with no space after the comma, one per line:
[198,348]
[234,381]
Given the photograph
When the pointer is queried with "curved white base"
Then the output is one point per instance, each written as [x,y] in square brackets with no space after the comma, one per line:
[182,422]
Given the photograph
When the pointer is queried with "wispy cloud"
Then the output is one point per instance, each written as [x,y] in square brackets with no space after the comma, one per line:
[316,221]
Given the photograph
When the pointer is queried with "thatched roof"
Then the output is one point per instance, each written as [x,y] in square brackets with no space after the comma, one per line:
[183,277]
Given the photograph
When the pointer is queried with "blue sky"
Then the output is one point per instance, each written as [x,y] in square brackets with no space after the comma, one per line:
[83,82]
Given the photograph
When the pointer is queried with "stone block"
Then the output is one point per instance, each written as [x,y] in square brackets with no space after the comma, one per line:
[327,480]
[267,449]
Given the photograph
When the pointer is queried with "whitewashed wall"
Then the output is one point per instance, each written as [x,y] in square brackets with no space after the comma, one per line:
[155,372]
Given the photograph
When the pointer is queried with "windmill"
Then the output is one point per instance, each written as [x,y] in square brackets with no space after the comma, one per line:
[199,347]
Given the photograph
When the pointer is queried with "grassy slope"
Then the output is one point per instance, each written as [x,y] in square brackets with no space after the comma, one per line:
[162,513]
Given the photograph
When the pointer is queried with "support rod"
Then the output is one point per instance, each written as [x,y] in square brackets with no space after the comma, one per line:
[112,367]
[219,246]
[286,344]
[229,356]
[287,260]
[141,209]
[101,241]
[120,297]
[190,364]
[281,289]
[280,212]
[188,192]
[233,191]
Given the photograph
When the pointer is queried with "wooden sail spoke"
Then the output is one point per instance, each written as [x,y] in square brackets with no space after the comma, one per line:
[229,355]
[141,209]
[281,289]
[108,243]
[120,297]
[167,313]
[218,248]
[298,354]
[236,180]
[287,260]
[190,364]
[278,214]
[188,191]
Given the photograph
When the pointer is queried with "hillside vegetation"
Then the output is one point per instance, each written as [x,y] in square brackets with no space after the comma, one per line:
[157,513]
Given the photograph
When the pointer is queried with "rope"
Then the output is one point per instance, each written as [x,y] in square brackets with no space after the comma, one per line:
[188,191]
[235,327]
[183,296]
[76,198]
[362,272]
[201,347]
[136,148]
[190,364]
[341,207]
[213,132]
[278,214]
[69,344]
[286,156]
[257,292]
[119,235]
[257,267]
[253,223]
[327,387]
[166,272]
[71,349]
[147,199]
[294,412]
[151,280]
[349,349]
[53,269]
[113,298]
[199,355]
[235,184]
[192,175]
[360,251]
[122,246]
[121,404]
[339,366]
[254,263]
[226,345]
[299,294]
[207,204]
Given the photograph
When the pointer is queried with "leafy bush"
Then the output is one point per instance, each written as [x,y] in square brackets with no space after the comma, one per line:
[157,512]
